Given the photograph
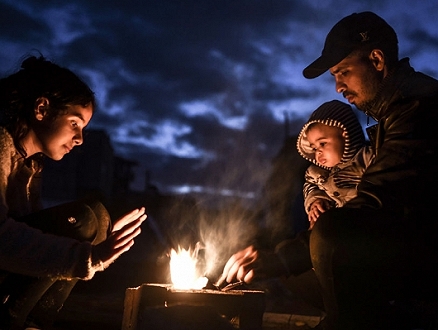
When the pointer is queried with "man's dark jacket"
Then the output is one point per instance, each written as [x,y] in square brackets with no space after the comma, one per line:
[404,175]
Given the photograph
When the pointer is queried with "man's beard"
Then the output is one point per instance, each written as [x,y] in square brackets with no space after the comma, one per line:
[366,105]
[370,88]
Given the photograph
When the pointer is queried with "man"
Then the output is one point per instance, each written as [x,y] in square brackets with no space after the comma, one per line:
[381,247]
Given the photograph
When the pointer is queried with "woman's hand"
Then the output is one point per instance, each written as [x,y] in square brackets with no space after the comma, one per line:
[127,218]
[121,238]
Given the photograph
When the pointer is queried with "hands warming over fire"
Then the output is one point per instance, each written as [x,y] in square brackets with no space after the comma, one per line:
[251,264]
[125,229]
[240,266]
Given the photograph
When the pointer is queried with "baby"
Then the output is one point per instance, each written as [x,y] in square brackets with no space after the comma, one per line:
[333,140]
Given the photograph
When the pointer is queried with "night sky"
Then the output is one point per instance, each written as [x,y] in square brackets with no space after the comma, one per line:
[197,92]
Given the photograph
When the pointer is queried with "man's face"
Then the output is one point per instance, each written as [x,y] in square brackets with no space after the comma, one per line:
[357,79]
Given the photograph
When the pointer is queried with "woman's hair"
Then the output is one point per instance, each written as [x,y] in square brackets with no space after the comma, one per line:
[38,78]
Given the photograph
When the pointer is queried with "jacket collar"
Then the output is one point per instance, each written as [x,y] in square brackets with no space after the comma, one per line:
[389,90]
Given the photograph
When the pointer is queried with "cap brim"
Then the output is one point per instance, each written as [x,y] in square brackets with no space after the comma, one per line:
[319,66]
[327,60]
[315,69]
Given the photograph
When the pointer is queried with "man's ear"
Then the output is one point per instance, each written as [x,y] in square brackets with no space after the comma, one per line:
[377,59]
[41,105]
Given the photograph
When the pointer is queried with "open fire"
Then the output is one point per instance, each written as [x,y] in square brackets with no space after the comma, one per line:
[155,306]
[185,272]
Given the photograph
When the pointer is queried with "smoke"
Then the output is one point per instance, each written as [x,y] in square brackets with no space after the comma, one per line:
[223,233]
[219,225]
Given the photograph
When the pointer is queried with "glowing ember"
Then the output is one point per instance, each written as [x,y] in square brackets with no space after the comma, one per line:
[183,270]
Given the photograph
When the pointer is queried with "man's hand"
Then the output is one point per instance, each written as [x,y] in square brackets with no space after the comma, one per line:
[250,264]
[240,266]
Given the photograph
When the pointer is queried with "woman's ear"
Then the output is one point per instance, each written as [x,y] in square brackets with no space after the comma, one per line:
[41,105]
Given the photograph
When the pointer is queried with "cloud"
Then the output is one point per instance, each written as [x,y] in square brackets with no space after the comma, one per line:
[197,92]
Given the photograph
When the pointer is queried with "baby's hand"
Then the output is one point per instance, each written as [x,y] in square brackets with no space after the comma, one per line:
[318,207]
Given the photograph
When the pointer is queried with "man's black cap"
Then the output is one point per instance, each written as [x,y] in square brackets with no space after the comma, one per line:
[346,35]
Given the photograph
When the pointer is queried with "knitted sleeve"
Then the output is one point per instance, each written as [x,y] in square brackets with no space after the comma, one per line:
[28,251]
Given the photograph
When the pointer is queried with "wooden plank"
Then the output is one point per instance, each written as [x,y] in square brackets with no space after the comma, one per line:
[247,305]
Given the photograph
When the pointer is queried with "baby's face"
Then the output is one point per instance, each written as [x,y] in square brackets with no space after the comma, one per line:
[327,142]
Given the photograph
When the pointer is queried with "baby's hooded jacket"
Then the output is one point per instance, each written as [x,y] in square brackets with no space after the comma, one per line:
[336,184]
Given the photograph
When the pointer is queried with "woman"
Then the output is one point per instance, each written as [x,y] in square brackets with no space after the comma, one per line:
[43,111]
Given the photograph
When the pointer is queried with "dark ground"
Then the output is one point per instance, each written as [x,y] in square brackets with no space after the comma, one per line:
[96,306]
[94,312]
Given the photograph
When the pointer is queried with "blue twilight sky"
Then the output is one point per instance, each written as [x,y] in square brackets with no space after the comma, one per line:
[196,92]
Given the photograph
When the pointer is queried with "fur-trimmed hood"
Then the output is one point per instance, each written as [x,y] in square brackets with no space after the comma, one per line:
[338,114]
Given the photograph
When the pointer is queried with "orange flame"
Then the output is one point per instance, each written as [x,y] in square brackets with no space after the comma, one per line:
[183,270]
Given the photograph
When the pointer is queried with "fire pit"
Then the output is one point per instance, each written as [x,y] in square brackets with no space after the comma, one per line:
[192,301]
[242,308]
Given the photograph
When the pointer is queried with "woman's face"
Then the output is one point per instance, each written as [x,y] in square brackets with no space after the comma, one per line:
[57,137]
